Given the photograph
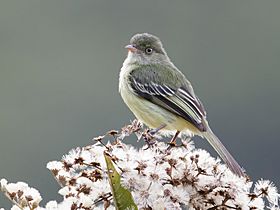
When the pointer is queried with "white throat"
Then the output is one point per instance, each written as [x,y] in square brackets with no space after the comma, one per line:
[128,65]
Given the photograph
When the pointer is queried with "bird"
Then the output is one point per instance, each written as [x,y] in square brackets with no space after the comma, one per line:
[161,97]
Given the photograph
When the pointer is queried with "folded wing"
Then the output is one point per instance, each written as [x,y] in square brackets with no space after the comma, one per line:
[176,98]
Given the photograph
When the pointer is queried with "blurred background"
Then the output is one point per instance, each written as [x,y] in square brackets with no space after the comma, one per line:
[59,66]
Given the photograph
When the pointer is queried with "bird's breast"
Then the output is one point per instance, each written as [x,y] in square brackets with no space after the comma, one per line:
[149,113]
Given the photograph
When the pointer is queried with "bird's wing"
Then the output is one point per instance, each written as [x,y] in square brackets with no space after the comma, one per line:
[169,90]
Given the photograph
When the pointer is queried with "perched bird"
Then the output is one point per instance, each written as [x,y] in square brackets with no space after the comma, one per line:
[161,97]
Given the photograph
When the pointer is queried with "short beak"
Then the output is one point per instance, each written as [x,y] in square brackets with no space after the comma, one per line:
[130,48]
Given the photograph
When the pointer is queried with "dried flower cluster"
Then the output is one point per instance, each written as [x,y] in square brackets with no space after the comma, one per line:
[159,176]
[21,194]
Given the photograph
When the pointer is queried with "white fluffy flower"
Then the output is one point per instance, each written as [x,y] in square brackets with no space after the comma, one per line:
[160,177]
[84,181]
[86,201]
[3,184]
[257,204]
[267,189]
[51,205]
[15,207]
[15,187]
[55,165]
[101,187]
[64,191]
[179,194]
[34,194]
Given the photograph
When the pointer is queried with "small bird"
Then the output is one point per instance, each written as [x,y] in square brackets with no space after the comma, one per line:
[161,97]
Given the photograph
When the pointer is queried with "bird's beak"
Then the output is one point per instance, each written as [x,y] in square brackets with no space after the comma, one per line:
[131,48]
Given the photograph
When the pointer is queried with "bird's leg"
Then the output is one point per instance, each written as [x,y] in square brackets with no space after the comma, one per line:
[149,135]
[172,143]
[155,130]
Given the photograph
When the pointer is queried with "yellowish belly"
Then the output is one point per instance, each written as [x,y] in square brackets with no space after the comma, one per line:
[153,115]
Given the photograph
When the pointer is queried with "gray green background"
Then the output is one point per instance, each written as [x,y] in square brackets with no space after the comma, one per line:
[59,66]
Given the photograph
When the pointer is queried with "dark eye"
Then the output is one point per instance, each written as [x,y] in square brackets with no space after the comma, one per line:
[148,50]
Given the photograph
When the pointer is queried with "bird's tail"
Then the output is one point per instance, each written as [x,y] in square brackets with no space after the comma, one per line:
[222,151]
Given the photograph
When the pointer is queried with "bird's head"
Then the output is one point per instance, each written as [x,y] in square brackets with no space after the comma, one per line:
[146,49]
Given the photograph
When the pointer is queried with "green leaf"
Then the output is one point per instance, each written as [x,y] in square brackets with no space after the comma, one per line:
[122,197]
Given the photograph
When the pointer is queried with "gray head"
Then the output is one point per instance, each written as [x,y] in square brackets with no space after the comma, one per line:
[146,49]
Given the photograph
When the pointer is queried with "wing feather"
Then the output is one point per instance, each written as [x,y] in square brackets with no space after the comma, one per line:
[176,100]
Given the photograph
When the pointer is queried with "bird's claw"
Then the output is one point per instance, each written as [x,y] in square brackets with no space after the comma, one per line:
[149,138]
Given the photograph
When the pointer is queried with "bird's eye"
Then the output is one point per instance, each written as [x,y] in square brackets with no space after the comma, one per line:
[149,50]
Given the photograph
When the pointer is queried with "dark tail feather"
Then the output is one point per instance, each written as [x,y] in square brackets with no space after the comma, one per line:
[222,151]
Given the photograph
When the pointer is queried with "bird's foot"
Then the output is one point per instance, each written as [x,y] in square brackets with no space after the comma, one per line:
[172,143]
[156,130]
[149,138]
